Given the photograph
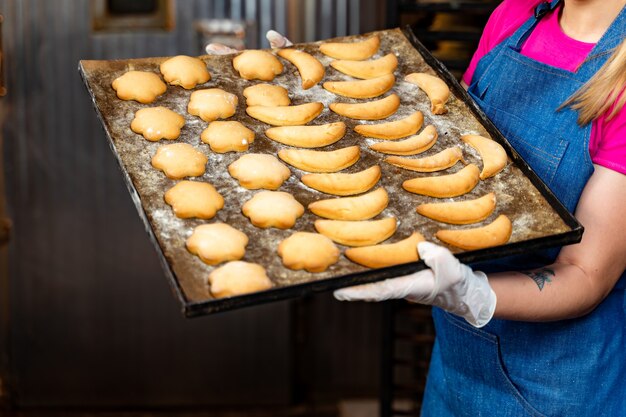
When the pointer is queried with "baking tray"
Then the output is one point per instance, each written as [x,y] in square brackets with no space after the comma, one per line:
[539,220]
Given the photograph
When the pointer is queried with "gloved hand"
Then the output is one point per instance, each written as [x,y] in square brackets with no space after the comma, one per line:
[275,39]
[448,284]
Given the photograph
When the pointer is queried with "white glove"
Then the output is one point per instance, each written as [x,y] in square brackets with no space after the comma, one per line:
[448,284]
[275,39]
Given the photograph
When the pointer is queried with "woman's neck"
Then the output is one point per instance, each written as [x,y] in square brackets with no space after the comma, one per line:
[587,20]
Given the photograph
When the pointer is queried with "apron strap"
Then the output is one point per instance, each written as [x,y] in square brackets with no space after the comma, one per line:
[611,39]
[519,37]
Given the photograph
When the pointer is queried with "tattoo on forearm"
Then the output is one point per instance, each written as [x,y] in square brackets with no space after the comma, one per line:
[540,276]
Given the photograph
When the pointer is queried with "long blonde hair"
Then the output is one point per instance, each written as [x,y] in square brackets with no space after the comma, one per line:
[605,89]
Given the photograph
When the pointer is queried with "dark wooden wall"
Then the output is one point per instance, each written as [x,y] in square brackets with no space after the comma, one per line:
[91,321]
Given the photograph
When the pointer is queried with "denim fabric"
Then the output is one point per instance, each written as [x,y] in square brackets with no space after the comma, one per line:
[570,367]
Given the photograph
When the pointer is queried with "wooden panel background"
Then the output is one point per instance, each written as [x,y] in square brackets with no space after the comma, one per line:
[91,321]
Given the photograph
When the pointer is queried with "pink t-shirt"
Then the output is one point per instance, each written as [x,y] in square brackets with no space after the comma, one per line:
[548,44]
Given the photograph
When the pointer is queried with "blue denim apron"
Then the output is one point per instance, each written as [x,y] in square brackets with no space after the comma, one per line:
[572,367]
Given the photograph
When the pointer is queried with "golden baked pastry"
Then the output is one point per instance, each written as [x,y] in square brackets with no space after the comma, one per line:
[380,256]
[393,130]
[496,233]
[357,233]
[437,162]
[370,110]
[321,161]
[286,115]
[371,88]
[238,277]
[310,69]
[343,184]
[266,95]
[254,64]
[308,136]
[492,153]
[460,212]
[273,209]
[179,160]
[310,251]
[451,185]
[140,86]
[256,170]
[230,136]
[212,104]
[436,90]
[356,51]
[362,207]
[217,242]
[412,146]
[367,69]
[185,71]
[194,199]
[156,123]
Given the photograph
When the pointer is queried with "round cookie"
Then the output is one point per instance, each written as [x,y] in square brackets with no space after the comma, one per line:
[156,123]
[256,170]
[253,64]
[238,277]
[179,160]
[227,136]
[217,242]
[140,86]
[212,104]
[266,95]
[191,199]
[310,251]
[273,209]
[185,71]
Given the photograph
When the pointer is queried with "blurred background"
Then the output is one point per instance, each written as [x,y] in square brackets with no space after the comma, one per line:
[88,325]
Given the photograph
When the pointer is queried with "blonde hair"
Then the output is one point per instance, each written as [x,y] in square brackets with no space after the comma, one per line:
[603,90]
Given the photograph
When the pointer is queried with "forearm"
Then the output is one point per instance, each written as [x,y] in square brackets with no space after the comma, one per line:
[555,292]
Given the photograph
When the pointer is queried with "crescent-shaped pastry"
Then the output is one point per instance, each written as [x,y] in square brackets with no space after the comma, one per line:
[266,95]
[451,185]
[343,184]
[357,233]
[356,51]
[492,153]
[393,130]
[380,256]
[460,212]
[371,88]
[286,115]
[370,110]
[308,136]
[362,207]
[367,69]
[437,162]
[321,161]
[310,69]
[436,90]
[254,64]
[411,146]
[496,233]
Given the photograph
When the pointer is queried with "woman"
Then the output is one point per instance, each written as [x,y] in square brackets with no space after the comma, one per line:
[552,77]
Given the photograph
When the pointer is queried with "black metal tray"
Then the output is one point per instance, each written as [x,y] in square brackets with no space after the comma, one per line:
[539,220]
